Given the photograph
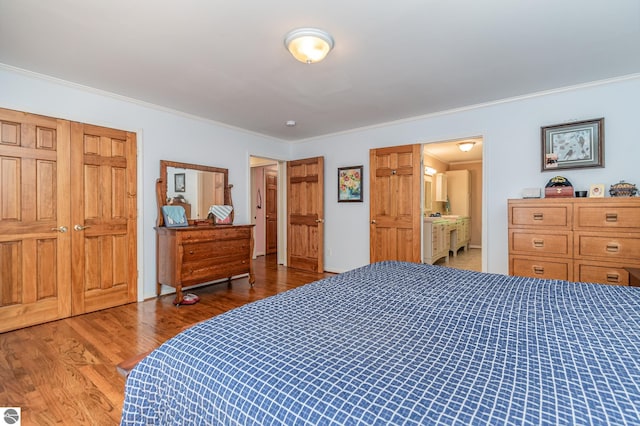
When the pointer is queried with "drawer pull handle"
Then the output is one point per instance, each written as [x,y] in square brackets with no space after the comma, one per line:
[613,277]
[613,247]
[190,251]
[538,270]
[611,217]
[538,216]
[538,243]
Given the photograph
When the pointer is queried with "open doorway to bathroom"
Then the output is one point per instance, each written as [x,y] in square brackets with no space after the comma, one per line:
[452,203]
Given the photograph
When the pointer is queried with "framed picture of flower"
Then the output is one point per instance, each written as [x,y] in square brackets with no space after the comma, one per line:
[350,184]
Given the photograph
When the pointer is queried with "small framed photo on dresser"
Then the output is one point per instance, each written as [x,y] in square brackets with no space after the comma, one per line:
[596,190]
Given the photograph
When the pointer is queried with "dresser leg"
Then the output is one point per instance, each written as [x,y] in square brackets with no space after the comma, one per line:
[179,297]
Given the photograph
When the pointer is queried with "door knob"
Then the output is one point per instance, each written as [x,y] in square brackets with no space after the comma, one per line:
[373,222]
[61,229]
[80,227]
[319,220]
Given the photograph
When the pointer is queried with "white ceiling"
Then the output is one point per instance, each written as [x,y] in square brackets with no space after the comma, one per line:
[225,60]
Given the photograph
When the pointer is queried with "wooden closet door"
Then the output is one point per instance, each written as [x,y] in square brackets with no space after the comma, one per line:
[35,237]
[395,203]
[103,218]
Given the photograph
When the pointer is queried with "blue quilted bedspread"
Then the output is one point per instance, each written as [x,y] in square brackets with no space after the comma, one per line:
[402,343]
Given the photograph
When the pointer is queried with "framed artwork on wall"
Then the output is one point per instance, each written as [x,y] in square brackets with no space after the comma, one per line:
[179,182]
[350,184]
[573,145]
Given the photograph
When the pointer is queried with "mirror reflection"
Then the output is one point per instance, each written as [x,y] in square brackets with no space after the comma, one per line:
[193,187]
[195,190]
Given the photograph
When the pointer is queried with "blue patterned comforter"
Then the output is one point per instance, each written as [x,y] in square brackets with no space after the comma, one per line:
[403,343]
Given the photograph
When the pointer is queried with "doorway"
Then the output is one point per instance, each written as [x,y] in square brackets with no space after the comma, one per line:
[451,200]
[265,207]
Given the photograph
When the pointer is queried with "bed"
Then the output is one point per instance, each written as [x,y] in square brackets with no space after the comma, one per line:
[403,343]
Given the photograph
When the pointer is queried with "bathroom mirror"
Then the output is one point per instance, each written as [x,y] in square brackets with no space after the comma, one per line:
[428,194]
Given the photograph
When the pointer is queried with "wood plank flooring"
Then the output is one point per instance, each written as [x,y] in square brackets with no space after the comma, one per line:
[64,372]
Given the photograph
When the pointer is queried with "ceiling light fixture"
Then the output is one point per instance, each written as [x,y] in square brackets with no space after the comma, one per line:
[466,146]
[308,45]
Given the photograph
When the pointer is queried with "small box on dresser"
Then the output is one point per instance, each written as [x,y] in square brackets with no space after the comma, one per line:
[558,191]
[576,239]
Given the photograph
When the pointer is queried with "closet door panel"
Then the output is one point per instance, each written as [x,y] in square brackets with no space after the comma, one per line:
[35,243]
[104,236]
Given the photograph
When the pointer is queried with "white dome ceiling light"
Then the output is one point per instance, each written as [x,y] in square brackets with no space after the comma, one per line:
[308,45]
[466,146]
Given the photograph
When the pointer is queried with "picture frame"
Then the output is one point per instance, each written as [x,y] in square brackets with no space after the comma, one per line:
[573,145]
[350,184]
[174,216]
[596,190]
[179,182]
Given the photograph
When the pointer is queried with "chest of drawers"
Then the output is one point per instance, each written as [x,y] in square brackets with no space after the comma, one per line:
[199,254]
[575,239]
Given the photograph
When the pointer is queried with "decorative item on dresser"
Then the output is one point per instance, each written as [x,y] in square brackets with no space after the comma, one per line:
[577,239]
[623,189]
[200,253]
[558,186]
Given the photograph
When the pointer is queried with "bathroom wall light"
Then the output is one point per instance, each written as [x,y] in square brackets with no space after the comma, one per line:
[429,171]
[308,45]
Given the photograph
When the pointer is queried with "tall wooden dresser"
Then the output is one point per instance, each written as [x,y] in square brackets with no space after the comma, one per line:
[199,254]
[575,239]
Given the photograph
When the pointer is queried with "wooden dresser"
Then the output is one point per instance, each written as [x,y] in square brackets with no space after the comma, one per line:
[199,254]
[575,239]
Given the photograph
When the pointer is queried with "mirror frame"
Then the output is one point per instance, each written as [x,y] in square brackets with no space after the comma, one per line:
[162,181]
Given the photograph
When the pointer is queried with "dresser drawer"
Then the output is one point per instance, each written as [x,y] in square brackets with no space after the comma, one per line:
[220,232]
[615,246]
[558,269]
[603,273]
[214,268]
[556,216]
[213,249]
[614,217]
[540,243]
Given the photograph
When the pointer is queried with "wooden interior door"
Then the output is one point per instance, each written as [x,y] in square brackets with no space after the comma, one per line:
[271,211]
[103,219]
[305,210]
[35,242]
[395,212]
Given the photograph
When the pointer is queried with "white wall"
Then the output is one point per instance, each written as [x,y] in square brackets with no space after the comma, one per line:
[512,159]
[511,132]
[162,135]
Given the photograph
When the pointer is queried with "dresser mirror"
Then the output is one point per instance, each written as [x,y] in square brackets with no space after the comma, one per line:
[192,186]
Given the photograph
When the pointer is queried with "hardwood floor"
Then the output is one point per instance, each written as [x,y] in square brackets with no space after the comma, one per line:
[64,372]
